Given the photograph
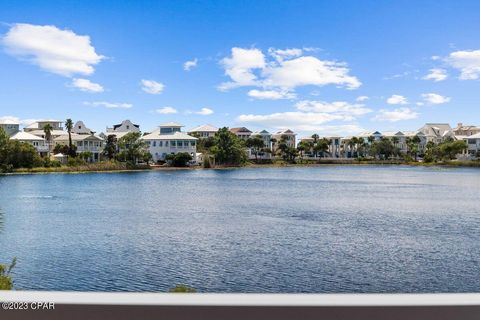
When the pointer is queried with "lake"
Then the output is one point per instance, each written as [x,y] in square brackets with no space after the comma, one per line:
[316,229]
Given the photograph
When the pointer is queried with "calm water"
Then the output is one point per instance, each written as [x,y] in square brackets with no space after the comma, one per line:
[328,229]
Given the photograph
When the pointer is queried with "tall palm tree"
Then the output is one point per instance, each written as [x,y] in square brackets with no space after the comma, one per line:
[273,141]
[69,126]
[47,129]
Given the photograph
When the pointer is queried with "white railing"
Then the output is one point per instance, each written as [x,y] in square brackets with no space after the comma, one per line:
[86,305]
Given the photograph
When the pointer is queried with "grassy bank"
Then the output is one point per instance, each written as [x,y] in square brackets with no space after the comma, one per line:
[91,167]
[351,162]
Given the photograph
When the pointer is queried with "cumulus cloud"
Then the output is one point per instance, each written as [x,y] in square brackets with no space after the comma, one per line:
[52,49]
[397,99]
[436,74]
[86,85]
[467,62]
[109,105]
[347,110]
[188,65]
[362,98]
[289,69]
[152,87]
[204,112]
[396,115]
[271,94]
[24,122]
[433,98]
[166,110]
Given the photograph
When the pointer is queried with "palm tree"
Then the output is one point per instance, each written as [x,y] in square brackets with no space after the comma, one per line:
[47,129]
[273,141]
[69,126]
[395,141]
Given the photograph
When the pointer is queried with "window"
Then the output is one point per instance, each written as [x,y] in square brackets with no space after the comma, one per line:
[180,143]
[173,143]
[166,143]
[193,143]
[160,143]
[154,143]
[128,127]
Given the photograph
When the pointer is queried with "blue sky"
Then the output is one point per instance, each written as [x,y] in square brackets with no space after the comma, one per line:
[332,67]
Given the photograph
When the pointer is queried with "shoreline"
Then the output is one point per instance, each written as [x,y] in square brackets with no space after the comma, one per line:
[70,170]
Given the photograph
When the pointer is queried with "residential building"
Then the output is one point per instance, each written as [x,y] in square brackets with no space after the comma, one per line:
[241,132]
[267,141]
[466,130]
[121,129]
[37,128]
[399,139]
[169,139]
[38,142]
[80,128]
[334,146]
[205,131]
[289,135]
[84,143]
[10,127]
[473,146]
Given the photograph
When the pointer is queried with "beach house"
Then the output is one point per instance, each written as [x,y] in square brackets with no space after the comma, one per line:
[205,131]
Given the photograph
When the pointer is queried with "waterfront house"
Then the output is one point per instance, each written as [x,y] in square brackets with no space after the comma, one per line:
[241,132]
[169,139]
[9,126]
[38,142]
[289,136]
[473,146]
[85,143]
[267,143]
[205,131]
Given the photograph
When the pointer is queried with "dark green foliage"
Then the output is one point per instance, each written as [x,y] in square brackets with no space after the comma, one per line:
[444,151]
[111,147]
[15,154]
[228,148]
[132,149]
[256,145]
[181,288]
[180,159]
[6,282]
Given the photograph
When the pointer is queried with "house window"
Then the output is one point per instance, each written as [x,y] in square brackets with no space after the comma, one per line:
[173,143]
[128,127]
[166,143]
[160,143]
[154,143]
[179,144]
[193,143]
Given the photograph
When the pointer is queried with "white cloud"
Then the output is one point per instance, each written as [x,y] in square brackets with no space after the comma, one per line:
[344,109]
[468,62]
[308,70]
[397,99]
[109,105]
[249,67]
[52,49]
[396,115]
[281,55]
[24,122]
[166,110]
[204,111]
[188,65]
[433,98]
[152,87]
[436,74]
[86,85]
[362,98]
[271,94]
[239,67]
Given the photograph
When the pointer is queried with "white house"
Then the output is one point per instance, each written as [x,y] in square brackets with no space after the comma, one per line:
[267,142]
[9,126]
[84,143]
[289,135]
[205,131]
[241,132]
[121,129]
[81,128]
[169,139]
[39,143]
[473,143]
[466,130]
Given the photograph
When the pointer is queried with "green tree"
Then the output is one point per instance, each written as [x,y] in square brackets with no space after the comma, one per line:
[47,129]
[181,288]
[110,150]
[180,159]
[6,282]
[383,149]
[69,125]
[228,148]
[86,155]
[132,149]
[256,145]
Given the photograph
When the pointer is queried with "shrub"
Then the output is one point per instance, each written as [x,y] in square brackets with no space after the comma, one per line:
[181,288]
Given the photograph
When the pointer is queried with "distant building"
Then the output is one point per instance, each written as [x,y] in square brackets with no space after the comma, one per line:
[288,134]
[80,128]
[38,142]
[10,127]
[463,130]
[241,132]
[267,141]
[37,128]
[121,129]
[169,139]
[205,131]
[84,143]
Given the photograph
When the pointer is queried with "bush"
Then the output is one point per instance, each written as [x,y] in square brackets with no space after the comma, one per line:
[74,162]
[179,159]
[181,288]
[6,282]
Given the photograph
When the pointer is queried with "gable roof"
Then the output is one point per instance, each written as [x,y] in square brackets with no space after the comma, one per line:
[25,136]
[239,130]
[204,128]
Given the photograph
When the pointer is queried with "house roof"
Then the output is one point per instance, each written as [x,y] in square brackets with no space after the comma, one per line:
[171,124]
[173,136]
[115,126]
[8,121]
[288,131]
[239,130]
[474,136]
[78,137]
[204,128]
[261,133]
[25,136]
[41,133]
